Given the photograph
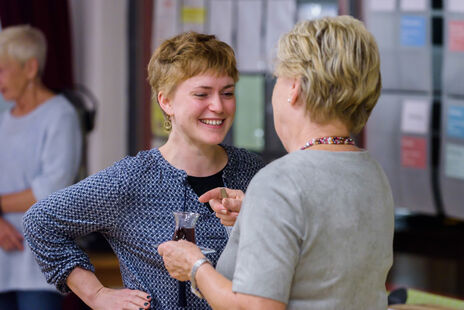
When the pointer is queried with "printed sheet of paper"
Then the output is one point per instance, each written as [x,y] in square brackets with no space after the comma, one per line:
[249,37]
[455,122]
[415,116]
[248,128]
[456,35]
[382,5]
[165,21]
[454,161]
[413,31]
[193,15]
[413,5]
[280,18]
[413,152]
[456,6]
[221,20]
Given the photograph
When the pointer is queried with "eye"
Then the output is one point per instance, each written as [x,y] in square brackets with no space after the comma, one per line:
[228,94]
[200,95]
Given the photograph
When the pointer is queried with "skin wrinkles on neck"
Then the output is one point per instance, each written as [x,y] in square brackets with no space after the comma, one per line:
[33,95]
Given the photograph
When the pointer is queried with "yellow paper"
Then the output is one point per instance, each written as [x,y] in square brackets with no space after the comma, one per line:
[193,15]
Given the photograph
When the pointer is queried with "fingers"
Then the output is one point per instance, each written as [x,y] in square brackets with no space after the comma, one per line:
[215,193]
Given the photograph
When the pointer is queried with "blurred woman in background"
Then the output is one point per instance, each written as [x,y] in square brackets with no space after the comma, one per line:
[316,227]
[131,203]
[40,141]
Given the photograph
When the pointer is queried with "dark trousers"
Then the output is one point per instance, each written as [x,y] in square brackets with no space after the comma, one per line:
[27,300]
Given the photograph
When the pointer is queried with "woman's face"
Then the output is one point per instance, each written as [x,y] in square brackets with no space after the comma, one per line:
[13,79]
[202,109]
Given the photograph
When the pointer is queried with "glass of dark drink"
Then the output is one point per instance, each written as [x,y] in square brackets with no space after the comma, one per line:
[185,226]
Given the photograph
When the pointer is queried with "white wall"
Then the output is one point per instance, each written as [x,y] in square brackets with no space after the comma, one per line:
[100,63]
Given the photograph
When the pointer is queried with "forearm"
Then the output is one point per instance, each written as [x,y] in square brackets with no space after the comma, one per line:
[218,292]
[17,202]
[84,284]
[216,289]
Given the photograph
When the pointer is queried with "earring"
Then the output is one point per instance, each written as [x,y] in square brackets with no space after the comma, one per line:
[167,123]
[289,100]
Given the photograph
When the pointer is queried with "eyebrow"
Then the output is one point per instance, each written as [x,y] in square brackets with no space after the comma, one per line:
[209,87]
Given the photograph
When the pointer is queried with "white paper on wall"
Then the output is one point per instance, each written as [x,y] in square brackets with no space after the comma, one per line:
[193,15]
[165,21]
[249,37]
[415,116]
[413,5]
[220,20]
[309,11]
[454,161]
[456,6]
[280,18]
[382,5]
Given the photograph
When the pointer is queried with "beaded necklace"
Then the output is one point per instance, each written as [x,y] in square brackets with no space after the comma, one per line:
[328,140]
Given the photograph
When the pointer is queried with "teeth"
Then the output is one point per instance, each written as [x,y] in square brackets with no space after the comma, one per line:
[212,122]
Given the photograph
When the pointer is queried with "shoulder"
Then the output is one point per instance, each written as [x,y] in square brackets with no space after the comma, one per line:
[241,158]
[58,109]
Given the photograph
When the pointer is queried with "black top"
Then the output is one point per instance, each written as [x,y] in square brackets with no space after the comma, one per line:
[201,185]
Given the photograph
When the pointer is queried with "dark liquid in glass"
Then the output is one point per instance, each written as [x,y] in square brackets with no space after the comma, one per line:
[185,234]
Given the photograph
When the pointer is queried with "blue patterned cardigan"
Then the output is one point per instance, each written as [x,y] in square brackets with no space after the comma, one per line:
[131,204]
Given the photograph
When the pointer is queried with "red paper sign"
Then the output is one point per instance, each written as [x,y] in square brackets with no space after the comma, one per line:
[456,35]
[414,152]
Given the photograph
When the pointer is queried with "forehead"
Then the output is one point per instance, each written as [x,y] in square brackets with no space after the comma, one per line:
[208,80]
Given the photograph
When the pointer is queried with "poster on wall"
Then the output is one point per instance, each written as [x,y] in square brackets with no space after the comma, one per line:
[413,5]
[454,161]
[456,35]
[221,20]
[415,116]
[250,56]
[455,121]
[382,5]
[280,18]
[248,129]
[193,15]
[165,21]
[413,31]
[413,152]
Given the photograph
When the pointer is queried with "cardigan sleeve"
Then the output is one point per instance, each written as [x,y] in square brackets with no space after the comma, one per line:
[52,224]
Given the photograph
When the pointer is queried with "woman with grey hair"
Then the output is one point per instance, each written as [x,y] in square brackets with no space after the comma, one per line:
[40,140]
[316,226]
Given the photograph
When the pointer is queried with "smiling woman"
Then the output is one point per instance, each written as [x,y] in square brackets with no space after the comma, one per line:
[131,203]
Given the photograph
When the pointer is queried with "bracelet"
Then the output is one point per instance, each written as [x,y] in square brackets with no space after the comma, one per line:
[193,273]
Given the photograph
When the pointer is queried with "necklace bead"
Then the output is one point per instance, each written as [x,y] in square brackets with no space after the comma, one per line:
[328,140]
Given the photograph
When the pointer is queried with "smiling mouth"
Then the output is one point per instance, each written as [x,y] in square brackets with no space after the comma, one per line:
[217,122]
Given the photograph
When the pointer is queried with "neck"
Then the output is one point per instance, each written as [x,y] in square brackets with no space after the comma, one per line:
[195,160]
[33,95]
[311,130]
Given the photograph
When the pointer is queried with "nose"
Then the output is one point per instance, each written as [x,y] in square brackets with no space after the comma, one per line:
[216,104]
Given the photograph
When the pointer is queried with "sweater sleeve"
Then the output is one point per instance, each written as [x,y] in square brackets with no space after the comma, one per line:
[60,155]
[52,224]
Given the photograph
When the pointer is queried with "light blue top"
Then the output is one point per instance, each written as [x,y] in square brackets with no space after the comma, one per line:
[41,151]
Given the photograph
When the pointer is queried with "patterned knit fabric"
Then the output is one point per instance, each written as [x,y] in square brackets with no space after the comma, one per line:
[131,204]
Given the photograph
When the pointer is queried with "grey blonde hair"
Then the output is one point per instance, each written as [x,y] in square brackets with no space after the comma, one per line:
[22,43]
[338,62]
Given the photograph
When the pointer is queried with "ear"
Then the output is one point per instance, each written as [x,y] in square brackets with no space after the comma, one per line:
[165,103]
[32,68]
[295,90]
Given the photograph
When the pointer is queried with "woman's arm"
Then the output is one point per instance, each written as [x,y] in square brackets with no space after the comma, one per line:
[86,285]
[17,202]
[179,257]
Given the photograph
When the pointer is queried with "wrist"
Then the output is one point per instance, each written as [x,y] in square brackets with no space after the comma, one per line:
[196,266]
